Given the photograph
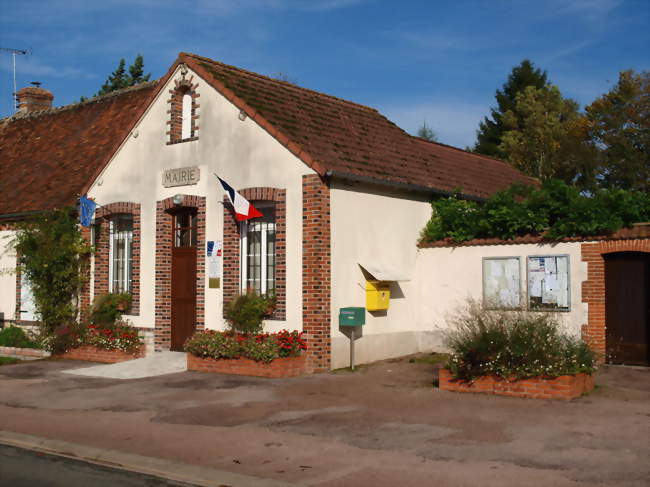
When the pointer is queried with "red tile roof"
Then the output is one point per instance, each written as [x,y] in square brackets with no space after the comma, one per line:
[331,134]
[637,231]
[47,157]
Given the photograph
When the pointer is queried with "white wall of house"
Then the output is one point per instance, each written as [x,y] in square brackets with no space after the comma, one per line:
[7,276]
[378,227]
[446,277]
[240,152]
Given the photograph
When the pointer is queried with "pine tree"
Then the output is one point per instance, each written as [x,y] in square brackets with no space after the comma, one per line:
[118,79]
[425,132]
[491,131]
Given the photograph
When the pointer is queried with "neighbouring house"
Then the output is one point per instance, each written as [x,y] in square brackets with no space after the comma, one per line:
[343,191]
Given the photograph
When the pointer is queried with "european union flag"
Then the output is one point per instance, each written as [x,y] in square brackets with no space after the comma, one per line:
[86,211]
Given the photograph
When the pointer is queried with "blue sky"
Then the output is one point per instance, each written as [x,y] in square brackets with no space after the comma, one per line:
[438,61]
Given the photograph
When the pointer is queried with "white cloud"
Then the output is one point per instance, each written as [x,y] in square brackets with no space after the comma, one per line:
[30,66]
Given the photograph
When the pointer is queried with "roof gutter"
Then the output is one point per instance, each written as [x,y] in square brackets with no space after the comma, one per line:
[416,188]
[20,215]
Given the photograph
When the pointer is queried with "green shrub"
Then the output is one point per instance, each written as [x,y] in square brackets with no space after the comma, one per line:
[107,308]
[63,337]
[14,336]
[516,344]
[554,210]
[245,313]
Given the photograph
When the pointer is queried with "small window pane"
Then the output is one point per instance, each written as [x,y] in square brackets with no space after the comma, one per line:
[121,242]
[186,127]
[259,249]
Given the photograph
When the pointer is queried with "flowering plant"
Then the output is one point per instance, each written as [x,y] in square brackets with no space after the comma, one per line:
[261,347]
[512,344]
[120,336]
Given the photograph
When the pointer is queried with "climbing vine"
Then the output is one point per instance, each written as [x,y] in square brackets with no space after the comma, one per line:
[554,210]
[52,255]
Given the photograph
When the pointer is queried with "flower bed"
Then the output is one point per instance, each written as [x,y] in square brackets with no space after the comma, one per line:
[255,354]
[563,387]
[91,353]
[280,367]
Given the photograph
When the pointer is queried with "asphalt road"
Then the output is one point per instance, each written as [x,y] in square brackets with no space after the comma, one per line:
[25,468]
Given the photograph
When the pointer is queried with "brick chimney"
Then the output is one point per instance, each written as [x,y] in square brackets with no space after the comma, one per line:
[34,98]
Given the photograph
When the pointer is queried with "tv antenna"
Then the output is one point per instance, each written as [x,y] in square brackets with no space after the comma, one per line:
[13,55]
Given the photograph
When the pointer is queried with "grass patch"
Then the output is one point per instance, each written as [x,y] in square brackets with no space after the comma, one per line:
[8,360]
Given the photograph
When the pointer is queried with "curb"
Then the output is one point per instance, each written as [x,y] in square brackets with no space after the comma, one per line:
[157,467]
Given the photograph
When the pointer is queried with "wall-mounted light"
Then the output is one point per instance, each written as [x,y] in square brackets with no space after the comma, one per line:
[177,199]
[242,115]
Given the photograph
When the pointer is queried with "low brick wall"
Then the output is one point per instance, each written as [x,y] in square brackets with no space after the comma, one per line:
[94,354]
[563,387]
[280,367]
[23,353]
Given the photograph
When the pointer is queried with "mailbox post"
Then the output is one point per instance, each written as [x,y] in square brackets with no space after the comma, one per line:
[352,318]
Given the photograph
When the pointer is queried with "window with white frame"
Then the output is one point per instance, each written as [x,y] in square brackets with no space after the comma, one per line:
[258,251]
[548,283]
[186,114]
[120,253]
[501,282]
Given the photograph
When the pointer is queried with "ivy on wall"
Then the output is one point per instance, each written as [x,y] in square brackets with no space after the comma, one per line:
[555,210]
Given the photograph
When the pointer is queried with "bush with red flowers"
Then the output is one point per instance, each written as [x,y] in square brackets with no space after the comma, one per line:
[261,347]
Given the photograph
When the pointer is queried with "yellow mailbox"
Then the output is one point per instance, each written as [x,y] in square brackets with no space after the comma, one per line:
[377,295]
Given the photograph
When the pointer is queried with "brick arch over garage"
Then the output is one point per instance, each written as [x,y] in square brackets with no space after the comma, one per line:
[593,289]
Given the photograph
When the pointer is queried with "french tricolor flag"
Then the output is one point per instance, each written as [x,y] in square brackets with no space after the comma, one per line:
[243,209]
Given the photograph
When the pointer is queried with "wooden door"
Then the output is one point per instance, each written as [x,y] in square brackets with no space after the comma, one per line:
[627,307]
[183,277]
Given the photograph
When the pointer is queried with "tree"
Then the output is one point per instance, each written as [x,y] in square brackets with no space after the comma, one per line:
[52,255]
[543,136]
[425,132]
[619,124]
[491,130]
[118,79]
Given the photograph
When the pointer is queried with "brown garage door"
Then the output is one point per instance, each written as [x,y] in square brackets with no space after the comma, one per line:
[627,307]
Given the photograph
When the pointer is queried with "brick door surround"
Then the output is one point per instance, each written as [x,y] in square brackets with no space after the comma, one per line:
[163,269]
[593,289]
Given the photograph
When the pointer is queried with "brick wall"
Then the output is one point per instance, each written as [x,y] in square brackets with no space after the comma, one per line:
[593,289]
[182,87]
[231,250]
[316,272]
[102,217]
[163,273]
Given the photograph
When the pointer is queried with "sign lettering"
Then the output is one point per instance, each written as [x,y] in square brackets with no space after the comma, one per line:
[182,176]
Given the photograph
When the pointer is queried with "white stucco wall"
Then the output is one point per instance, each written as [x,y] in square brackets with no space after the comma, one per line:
[7,276]
[380,227]
[240,152]
[446,277]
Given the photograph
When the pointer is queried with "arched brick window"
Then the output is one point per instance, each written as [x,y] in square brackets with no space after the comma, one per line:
[183,111]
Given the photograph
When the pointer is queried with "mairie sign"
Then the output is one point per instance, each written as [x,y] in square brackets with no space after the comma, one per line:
[181,176]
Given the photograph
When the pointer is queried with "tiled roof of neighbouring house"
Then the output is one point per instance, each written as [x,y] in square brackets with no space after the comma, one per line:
[47,157]
[331,134]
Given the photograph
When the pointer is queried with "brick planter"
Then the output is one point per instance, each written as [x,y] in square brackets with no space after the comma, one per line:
[23,353]
[94,354]
[280,367]
[563,387]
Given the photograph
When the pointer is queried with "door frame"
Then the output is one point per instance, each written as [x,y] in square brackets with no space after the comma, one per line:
[593,289]
[163,265]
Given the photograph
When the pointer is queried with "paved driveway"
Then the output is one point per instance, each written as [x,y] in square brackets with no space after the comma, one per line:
[384,425]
